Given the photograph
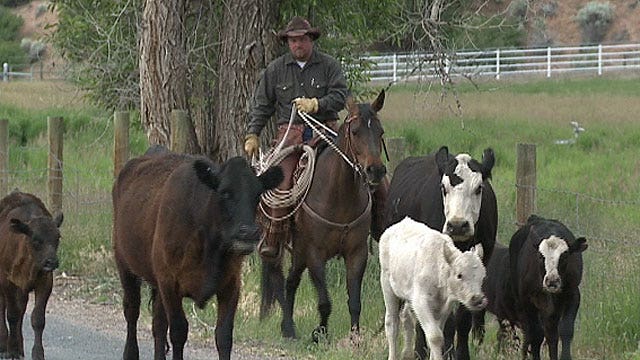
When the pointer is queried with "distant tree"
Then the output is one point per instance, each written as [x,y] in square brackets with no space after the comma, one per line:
[9,25]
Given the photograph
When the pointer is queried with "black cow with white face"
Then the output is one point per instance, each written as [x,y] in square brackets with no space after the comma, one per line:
[451,193]
[545,262]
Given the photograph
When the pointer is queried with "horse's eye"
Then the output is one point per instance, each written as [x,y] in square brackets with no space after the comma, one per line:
[459,276]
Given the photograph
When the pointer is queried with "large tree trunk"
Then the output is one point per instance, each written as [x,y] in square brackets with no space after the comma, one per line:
[248,44]
[163,69]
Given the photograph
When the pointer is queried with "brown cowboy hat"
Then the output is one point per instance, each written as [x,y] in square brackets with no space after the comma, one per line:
[299,26]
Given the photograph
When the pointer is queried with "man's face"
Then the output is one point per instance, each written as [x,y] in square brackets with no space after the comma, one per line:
[300,46]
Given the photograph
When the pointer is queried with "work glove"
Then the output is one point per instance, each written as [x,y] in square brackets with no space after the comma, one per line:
[308,105]
[251,144]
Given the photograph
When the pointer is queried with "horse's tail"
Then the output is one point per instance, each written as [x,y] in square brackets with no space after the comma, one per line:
[271,285]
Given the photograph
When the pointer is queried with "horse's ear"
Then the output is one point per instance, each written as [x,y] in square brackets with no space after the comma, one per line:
[351,106]
[379,102]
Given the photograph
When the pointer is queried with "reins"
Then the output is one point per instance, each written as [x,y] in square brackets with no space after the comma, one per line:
[278,198]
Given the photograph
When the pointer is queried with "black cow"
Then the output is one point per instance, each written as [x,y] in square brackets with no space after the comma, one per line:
[29,238]
[535,285]
[184,225]
[451,193]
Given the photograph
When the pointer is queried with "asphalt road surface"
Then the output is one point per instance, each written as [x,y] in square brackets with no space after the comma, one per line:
[76,329]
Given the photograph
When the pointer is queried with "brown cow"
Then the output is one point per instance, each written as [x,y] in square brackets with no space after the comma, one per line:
[184,225]
[29,239]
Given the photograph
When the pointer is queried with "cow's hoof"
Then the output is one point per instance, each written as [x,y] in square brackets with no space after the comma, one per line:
[319,334]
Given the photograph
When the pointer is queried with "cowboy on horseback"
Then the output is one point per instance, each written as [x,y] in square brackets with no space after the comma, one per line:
[314,83]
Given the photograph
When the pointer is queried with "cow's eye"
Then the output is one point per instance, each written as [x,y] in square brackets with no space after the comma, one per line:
[478,190]
[459,276]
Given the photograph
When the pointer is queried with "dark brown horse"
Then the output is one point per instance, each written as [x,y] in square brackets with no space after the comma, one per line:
[333,220]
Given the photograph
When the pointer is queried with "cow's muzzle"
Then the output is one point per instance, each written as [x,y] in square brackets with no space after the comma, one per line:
[50,265]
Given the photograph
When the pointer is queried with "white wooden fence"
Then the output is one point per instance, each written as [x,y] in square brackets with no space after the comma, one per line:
[596,59]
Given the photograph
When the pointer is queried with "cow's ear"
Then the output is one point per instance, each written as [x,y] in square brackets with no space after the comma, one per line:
[206,174]
[579,245]
[449,252]
[442,159]
[379,102]
[272,177]
[58,218]
[488,160]
[19,227]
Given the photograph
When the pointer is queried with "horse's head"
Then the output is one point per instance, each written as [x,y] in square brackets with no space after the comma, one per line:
[363,134]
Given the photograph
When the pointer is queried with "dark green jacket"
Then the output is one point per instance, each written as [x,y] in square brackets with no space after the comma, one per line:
[283,80]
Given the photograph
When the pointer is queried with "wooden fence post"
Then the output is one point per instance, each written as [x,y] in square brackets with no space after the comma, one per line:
[179,131]
[4,157]
[396,148]
[525,182]
[55,127]
[120,140]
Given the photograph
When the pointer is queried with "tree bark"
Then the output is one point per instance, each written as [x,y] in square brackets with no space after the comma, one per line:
[163,69]
[248,44]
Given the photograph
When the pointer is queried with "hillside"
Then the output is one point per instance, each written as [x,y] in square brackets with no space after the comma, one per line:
[548,22]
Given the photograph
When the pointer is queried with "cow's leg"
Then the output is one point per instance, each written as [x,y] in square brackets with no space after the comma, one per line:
[533,334]
[287,326]
[4,332]
[551,334]
[272,285]
[42,292]
[449,337]
[318,277]
[463,327]
[408,321]
[178,325]
[159,326]
[227,305]
[421,346]
[567,322]
[355,263]
[131,307]
[391,315]
[16,306]
[431,327]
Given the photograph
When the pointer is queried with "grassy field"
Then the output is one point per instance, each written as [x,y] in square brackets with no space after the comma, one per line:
[591,185]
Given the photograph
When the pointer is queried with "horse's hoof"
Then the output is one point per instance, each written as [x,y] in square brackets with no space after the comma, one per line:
[319,334]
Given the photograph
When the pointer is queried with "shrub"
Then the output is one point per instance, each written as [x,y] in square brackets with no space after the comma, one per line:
[13,3]
[549,9]
[11,53]
[36,51]
[25,44]
[594,19]
[9,25]
[518,9]
[40,10]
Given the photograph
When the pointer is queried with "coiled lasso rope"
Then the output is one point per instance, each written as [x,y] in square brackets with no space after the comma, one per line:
[278,198]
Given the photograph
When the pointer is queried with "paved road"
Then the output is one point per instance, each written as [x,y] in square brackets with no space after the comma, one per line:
[76,329]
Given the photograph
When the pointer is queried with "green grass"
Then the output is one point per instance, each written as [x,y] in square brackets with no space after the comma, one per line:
[591,185]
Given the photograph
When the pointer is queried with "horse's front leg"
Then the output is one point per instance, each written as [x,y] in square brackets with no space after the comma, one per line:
[293,280]
[355,263]
[318,277]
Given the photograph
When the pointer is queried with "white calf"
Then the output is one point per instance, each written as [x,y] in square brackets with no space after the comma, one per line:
[423,269]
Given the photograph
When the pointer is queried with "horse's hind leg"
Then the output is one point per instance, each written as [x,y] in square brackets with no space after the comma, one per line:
[293,281]
[272,286]
[318,276]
